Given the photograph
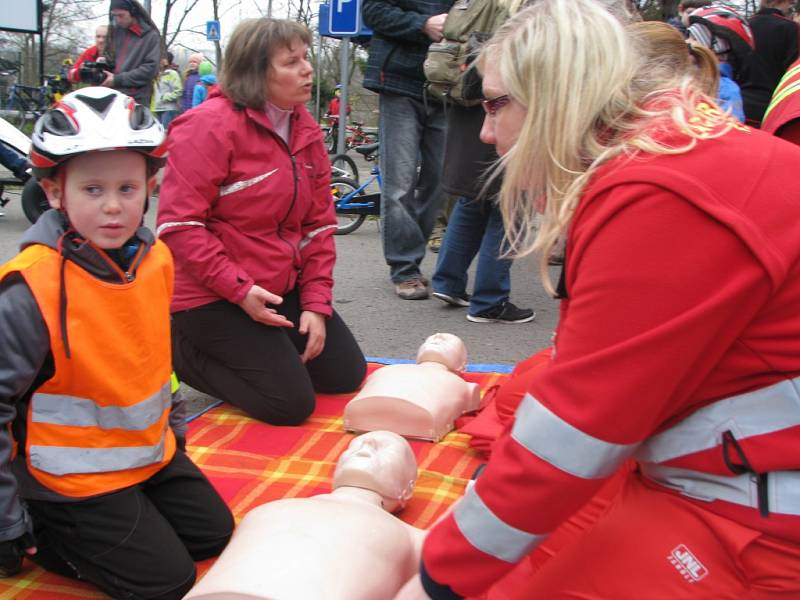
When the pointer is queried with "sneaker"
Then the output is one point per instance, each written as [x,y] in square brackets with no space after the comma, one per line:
[503,313]
[412,289]
[452,300]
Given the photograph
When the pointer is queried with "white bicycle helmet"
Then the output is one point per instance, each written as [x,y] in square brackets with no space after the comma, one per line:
[93,119]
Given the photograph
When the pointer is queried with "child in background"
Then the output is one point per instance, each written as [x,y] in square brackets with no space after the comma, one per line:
[207,81]
[723,31]
[94,482]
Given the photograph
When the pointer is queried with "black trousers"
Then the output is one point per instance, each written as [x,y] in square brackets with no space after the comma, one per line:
[140,542]
[219,350]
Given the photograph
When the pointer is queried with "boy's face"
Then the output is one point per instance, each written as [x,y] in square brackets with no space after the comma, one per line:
[103,194]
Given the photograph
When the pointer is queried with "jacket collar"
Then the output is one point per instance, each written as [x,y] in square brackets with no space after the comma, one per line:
[48,230]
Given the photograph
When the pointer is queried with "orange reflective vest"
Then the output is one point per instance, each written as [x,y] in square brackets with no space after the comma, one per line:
[101,423]
[785,103]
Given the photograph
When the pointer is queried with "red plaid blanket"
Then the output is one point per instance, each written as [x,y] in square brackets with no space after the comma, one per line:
[251,463]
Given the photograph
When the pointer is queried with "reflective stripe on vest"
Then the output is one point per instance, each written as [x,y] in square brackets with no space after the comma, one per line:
[785,88]
[759,412]
[545,434]
[783,487]
[81,412]
[490,534]
[64,460]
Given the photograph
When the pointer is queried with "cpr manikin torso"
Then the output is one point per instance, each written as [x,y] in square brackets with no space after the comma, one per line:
[420,400]
[343,545]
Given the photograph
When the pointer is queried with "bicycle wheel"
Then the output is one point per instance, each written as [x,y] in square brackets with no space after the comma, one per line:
[344,166]
[34,200]
[345,223]
[19,116]
[331,138]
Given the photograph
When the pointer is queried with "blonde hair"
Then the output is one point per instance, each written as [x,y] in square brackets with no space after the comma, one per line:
[589,97]
[664,49]
[249,54]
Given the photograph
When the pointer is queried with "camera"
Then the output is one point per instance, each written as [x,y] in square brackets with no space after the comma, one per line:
[93,73]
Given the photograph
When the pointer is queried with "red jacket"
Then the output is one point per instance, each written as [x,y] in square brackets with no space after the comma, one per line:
[683,278]
[88,55]
[238,207]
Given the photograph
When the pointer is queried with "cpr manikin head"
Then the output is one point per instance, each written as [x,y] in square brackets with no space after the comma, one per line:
[380,461]
[444,348]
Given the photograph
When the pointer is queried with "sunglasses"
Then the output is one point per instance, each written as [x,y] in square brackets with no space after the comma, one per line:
[492,105]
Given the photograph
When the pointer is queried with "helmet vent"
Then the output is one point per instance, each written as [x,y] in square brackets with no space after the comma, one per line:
[57,123]
[98,105]
[141,118]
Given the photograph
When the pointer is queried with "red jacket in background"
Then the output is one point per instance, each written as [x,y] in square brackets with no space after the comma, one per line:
[239,207]
[88,55]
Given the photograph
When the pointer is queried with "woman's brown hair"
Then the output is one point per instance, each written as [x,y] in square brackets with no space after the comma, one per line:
[663,47]
[249,53]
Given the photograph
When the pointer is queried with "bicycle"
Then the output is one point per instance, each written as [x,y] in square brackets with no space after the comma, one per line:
[355,135]
[353,205]
[30,102]
[344,166]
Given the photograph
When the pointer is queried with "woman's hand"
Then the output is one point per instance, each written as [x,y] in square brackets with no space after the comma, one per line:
[255,305]
[313,324]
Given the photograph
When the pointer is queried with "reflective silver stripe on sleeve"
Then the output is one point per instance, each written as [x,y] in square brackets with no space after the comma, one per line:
[783,487]
[488,533]
[565,447]
[241,185]
[81,412]
[312,234]
[170,224]
[58,460]
[759,412]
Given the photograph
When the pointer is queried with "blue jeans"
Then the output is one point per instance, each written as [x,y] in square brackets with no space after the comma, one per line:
[165,117]
[475,227]
[412,134]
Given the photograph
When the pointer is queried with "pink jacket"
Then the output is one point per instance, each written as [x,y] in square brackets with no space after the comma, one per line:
[238,207]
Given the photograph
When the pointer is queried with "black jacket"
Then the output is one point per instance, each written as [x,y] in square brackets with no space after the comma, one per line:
[399,46]
[466,159]
[776,40]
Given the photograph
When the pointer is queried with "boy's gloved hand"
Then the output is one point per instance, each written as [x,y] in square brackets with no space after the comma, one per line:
[13,551]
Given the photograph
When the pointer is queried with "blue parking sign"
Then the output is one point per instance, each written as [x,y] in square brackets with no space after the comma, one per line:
[212,31]
[344,17]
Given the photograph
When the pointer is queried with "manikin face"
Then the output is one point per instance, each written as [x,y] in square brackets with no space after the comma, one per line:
[289,76]
[502,128]
[103,195]
[100,38]
[444,348]
[380,461]
[122,18]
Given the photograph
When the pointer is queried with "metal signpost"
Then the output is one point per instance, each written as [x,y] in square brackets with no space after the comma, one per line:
[344,19]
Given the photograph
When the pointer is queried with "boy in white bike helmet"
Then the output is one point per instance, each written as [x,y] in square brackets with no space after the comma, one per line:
[93,481]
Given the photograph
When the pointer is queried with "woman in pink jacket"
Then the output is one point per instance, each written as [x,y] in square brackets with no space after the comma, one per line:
[245,208]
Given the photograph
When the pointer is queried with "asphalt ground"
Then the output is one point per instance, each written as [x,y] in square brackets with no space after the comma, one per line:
[385,325]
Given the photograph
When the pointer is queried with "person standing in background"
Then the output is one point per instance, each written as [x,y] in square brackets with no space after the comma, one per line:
[207,81]
[412,132]
[91,54]
[776,39]
[167,89]
[133,50]
[191,78]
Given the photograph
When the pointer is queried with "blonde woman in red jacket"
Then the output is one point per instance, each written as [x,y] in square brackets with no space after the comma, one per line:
[678,342]
[245,208]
